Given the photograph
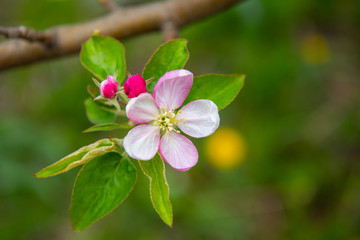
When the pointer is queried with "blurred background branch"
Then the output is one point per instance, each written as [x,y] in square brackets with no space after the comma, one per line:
[27,34]
[120,23]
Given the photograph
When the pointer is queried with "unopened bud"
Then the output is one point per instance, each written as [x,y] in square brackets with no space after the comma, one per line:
[134,86]
[109,87]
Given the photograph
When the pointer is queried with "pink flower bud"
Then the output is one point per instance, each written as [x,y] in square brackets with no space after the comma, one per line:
[134,86]
[109,87]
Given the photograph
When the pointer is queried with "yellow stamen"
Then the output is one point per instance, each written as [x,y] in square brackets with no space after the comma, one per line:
[166,120]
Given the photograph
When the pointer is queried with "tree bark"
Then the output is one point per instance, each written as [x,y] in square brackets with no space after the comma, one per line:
[121,23]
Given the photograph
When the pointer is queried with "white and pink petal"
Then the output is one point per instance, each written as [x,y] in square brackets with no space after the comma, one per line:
[142,109]
[142,142]
[178,151]
[199,118]
[172,88]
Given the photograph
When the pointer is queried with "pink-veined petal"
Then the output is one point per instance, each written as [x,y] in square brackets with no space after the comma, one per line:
[142,142]
[201,118]
[142,109]
[172,88]
[178,151]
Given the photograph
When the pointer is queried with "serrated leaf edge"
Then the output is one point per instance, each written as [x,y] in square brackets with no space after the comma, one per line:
[168,197]
[97,76]
[158,49]
[226,75]
[72,192]
[105,149]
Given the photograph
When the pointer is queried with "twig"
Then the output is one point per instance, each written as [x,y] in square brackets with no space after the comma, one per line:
[121,23]
[170,31]
[169,28]
[27,34]
[109,4]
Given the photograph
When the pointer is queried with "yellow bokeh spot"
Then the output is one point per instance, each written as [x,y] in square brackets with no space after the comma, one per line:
[225,149]
[315,49]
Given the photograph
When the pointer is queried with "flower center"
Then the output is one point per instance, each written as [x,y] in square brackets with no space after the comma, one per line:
[167,121]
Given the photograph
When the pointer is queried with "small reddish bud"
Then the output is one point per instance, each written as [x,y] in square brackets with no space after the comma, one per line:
[134,86]
[109,87]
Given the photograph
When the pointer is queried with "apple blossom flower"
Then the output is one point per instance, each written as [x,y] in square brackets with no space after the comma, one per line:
[161,132]
[134,86]
[108,87]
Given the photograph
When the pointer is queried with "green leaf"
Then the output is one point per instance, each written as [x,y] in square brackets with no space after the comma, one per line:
[106,127]
[103,56]
[159,188]
[98,113]
[172,55]
[221,89]
[80,157]
[101,185]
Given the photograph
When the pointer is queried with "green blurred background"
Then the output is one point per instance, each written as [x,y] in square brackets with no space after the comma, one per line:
[297,175]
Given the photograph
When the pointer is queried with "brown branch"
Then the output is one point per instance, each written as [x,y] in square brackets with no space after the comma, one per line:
[169,28]
[170,31]
[27,34]
[121,23]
